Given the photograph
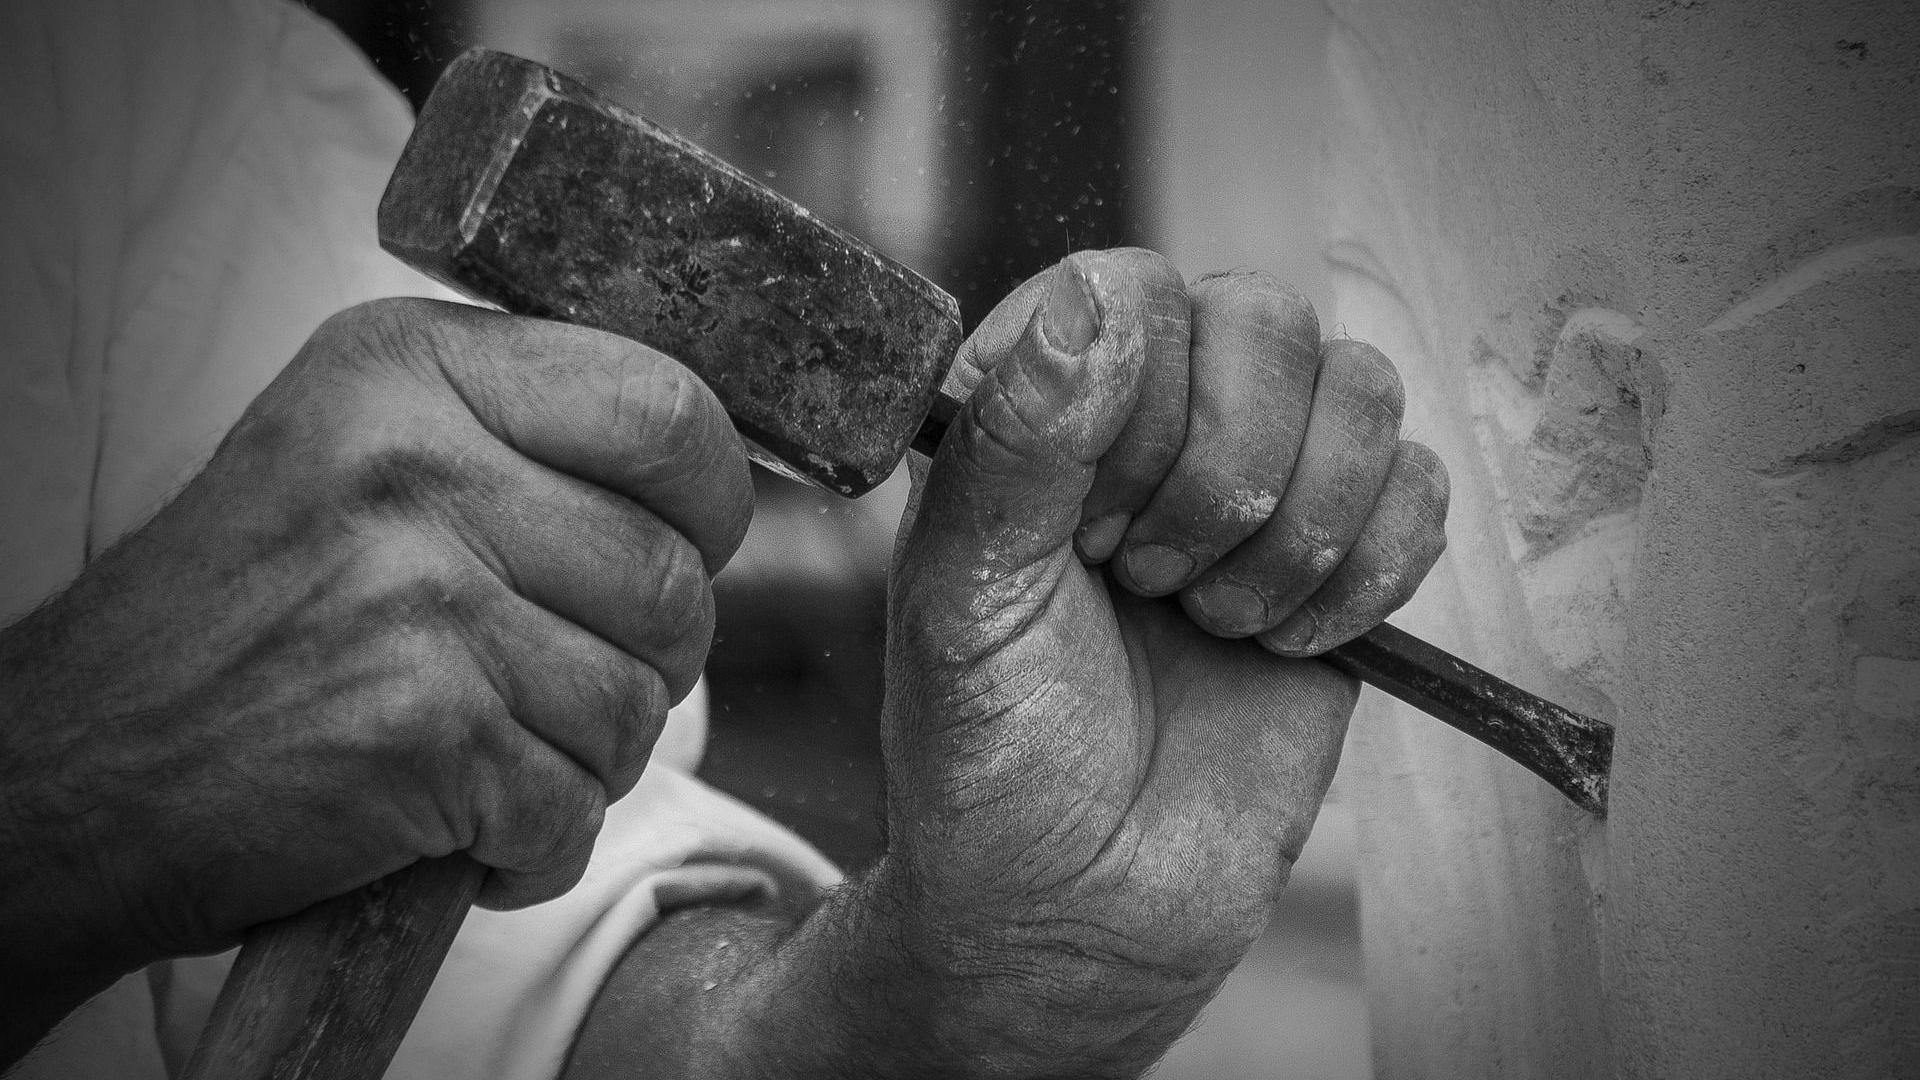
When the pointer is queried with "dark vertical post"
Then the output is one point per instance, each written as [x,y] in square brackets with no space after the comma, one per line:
[409,41]
[1039,142]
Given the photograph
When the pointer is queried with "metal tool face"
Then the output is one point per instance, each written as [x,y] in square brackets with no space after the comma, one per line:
[525,189]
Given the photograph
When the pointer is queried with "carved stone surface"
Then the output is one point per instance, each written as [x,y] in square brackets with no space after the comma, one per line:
[1652,272]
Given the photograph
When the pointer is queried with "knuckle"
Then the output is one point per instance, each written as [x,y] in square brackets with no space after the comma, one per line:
[1439,481]
[445,730]
[567,871]
[1223,485]
[384,333]
[514,793]
[652,393]
[1213,510]
[1254,291]
[1267,326]
[555,824]
[277,428]
[1379,587]
[1242,281]
[1152,270]
[661,406]
[727,483]
[401,470]
[332,398]
[407,582]
[347,331]
[1308,551]
[1011,426]
[737,502]
[421,652]
[681,438]
[1428,480]
[433,719]
[1371,377]
[1388,590]
[683,661]
[674,610]
[672,585]
[637,699]
[1429,554]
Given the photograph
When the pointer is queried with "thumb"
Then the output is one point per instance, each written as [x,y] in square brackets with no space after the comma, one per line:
[1057,369]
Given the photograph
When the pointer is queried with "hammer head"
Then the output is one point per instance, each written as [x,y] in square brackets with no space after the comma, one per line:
[524,189]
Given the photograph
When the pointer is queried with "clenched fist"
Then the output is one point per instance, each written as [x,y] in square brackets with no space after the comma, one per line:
[1086,773]
[436,591]
[1105,744]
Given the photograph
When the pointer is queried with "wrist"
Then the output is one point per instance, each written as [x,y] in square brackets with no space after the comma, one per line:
[60,942]
[54,954]
[934,988]
[875,980]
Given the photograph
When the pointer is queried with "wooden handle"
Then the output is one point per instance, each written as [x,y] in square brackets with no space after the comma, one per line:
[328,994]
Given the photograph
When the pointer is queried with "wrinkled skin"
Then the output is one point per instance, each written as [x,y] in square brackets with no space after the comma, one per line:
[1102,759]
[436,591]
[439,586]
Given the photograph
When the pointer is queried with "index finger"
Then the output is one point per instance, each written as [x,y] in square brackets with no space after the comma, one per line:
[590,404]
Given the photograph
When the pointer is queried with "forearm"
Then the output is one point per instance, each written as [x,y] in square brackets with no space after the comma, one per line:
[868,984]
[54,954]
[56,946]
[40,985]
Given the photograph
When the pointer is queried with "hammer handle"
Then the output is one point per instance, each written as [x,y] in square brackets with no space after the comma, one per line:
[328,993]
[1570,751]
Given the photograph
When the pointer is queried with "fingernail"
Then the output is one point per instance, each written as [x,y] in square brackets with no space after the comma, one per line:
[1100,536]
[1294,633]
[1231,608]
[1157,568]
[1072,321]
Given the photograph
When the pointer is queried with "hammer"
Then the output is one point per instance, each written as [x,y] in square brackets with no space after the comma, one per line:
[524,189]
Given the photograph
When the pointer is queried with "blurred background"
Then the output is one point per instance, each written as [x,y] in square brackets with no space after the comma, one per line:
[976,141]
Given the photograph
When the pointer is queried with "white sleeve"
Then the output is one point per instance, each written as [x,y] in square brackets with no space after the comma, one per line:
[193,184]
[513,991]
